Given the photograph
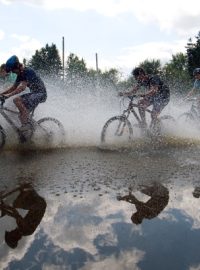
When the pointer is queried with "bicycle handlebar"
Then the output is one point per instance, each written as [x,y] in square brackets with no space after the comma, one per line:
[2,100]
[191,99]
[135,96]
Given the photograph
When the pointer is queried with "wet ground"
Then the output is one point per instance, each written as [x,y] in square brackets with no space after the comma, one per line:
[91,208]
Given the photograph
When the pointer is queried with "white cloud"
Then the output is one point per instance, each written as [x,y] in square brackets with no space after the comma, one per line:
[22,38]
[132,56]
[180,16]
[2,34]
[25,49]
[151,50]
[126,260]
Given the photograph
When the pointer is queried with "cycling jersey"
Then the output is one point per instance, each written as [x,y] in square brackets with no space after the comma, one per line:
[34,82]
[196,85]
[163,89]
[161,98]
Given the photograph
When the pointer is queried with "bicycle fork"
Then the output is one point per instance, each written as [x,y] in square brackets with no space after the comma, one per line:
[121,126]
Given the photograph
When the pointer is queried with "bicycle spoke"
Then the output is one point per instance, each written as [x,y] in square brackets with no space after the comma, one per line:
[117,130]
[48,132]
[2,137]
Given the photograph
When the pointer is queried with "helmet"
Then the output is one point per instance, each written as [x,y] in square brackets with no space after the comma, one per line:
[138,71]
[12,63]
[196,71]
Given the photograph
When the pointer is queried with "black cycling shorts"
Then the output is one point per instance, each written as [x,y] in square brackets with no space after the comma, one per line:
[158,102]
[31,100]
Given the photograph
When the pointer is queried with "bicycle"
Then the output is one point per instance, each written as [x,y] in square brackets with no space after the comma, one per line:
[192,116]
[123,130]
[47,130]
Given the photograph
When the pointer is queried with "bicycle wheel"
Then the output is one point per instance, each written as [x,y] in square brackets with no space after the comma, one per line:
[167,124]
[48,131]
[2,138]
[187,118]
[117,130]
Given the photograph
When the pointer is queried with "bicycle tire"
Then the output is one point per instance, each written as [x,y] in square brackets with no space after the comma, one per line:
[2,137]
[48,131]
[167,123]
[186,118]
[126,128]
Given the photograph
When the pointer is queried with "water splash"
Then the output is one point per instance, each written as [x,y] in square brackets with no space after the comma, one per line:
[83,114]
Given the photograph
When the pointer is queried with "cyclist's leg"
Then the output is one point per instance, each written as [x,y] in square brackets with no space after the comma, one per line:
[159,104]
[30,102]
[198,105]
[143,104]
[23,111]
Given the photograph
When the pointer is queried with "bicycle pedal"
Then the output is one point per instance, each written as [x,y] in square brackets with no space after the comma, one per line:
[26,127]
[22,138]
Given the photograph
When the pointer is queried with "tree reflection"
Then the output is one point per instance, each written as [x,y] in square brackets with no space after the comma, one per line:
[28,199]
[159,199]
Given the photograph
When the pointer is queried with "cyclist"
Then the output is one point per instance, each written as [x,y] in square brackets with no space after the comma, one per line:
[29,200]
[159,198]
[26,77]
[196,88]
[158,93]
[3,72]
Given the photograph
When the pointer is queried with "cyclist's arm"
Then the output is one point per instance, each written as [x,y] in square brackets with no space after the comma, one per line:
[9,90]
[15,89]
[190,93]
[131,92]
[153,90]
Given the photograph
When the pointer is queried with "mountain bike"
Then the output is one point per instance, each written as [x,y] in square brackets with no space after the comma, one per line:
[119,129]
[191,117]
[47,131]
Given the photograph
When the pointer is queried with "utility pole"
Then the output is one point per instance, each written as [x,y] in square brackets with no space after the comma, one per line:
[97,68]
[63,57]
[97,72]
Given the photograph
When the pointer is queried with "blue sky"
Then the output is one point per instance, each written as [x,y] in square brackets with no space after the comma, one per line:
[122,32]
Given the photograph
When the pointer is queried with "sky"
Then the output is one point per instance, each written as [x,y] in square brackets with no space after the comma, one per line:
[123,33]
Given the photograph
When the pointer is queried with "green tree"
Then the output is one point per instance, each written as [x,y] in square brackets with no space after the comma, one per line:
[109,77]
[75,73]
[47,61]
[151,66]
[193,54]
[177,67]
[75,67]
[176,73]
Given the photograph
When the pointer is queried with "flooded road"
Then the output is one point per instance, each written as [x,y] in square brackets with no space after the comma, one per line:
[87,208]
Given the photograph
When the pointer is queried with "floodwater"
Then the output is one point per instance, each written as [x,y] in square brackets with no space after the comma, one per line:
[89,208]
[85,207]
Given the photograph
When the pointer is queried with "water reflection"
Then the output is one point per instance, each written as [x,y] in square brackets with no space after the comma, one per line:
[196,192]
[27,199]
[86,228]
[159,199]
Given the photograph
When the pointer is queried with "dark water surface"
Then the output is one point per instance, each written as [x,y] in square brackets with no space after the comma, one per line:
[87,208]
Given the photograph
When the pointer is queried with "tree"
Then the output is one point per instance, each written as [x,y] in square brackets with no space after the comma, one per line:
[177,67]
[193,54]
[75,67]
[47,61]
[176,73]
[109,78]
[151,66]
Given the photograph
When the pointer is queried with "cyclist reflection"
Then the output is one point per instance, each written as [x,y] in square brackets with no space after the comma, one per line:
[28,199]
[196,192]
[150,209]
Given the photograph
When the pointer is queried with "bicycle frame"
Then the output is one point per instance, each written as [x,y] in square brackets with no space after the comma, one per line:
[3,111]
[193,110]
[131,109]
